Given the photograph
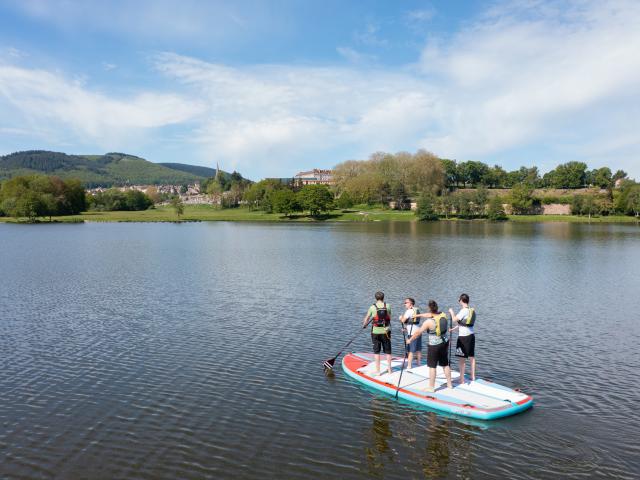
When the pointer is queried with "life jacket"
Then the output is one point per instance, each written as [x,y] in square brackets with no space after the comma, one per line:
[470,320]
[382,317]
[414,320]
[441,329]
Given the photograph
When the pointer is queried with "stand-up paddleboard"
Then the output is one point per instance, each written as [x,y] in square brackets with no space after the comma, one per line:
[479,399]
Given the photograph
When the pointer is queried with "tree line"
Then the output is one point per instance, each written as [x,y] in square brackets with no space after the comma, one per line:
[36,196]
[568,175]
[522,200]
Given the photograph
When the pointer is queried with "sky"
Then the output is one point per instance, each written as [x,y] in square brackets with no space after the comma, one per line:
[270,88]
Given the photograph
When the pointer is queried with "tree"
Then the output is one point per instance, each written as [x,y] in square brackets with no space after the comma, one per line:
[178,205]
[426,210]
[345,200]
[316,199]
[601,177]
[495,210]
[589,206]
[567,175]
[40,195]
[494,177]
[619,175]
[472,172]
[521,198]
[257,195]
[633,202]
[576,205]
[450,172]
[284,201]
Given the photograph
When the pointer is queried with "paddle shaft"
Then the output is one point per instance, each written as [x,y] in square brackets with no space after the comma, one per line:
[404,346]
[450,336]
[351,341]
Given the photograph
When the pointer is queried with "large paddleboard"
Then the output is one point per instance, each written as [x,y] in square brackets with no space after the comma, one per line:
[479,399]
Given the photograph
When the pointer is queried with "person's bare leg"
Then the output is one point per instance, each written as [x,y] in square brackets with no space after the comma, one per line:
[447,374]
[473,368]
[376,356]
[409,359]
[432,379]
[389,362]
[419,357]
[461,362]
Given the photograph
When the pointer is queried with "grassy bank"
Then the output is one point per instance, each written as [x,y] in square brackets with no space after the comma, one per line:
[195,213]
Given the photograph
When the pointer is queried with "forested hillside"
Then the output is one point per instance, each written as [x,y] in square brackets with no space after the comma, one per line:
[100,170]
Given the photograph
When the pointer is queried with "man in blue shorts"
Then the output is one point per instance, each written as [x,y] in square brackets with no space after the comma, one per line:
[411,323]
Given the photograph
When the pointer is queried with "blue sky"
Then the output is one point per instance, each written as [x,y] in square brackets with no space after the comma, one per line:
[273,87]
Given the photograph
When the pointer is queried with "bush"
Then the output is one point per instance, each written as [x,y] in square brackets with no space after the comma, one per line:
[495,211]
[345,200]
[315,198]
[426,211]
[521,199]
[115,200]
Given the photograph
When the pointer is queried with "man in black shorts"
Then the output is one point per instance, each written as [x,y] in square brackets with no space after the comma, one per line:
[380,313]
[437,328]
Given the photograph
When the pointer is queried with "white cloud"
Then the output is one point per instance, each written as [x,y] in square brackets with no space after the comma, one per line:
[421,16]
[297,114]
[354,56]
[523,75]
[191,20]
[557,76]
[49,102]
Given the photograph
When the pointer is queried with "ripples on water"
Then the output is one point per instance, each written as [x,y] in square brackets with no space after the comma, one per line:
[191,351]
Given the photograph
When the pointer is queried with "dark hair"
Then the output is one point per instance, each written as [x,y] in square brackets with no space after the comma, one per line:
[379,296]
[413,302]
[464,298]
[433,306]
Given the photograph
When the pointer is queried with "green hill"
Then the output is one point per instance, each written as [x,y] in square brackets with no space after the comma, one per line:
[101,170]
[193,169]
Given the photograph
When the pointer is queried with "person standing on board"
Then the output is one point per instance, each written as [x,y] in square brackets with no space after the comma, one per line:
[437,328]
[466,344]
[380,313]
[411,323]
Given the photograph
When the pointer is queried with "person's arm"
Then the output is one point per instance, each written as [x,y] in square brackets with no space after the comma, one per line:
[424,315]
[454,318]
[365,320]
[418,332]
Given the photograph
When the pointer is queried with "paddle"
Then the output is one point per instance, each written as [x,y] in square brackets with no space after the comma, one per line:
[450,335]
[328,364]
[404,337]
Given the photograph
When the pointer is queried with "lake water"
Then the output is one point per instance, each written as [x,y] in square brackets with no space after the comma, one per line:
[165,351]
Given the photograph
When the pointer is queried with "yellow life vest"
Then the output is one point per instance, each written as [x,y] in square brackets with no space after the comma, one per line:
[440,320]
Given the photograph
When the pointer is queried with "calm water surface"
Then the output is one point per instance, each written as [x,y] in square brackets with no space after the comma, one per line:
[164,351]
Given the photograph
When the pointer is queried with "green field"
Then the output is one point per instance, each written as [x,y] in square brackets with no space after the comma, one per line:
[196,213]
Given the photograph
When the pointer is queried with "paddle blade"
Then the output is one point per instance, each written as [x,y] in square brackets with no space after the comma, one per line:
[328,364]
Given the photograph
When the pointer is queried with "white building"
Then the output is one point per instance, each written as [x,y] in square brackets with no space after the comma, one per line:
[314,177]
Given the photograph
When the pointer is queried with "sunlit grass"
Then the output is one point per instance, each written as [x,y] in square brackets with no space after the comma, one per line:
[360,213]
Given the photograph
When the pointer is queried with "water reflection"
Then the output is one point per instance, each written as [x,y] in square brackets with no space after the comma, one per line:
[377,442]
[400,438]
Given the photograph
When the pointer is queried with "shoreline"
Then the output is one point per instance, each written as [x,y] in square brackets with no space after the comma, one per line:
[200,213]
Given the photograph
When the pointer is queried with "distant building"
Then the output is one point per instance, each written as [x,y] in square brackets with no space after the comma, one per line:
[315,177]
